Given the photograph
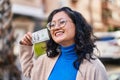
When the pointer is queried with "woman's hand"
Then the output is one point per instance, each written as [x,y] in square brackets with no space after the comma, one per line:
[27,39]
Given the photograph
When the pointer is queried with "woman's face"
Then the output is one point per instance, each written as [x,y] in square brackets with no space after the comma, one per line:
[63,31]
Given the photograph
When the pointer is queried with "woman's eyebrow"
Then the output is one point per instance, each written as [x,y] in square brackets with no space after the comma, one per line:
[58,19]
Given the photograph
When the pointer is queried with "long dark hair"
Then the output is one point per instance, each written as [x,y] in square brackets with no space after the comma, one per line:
[84,38]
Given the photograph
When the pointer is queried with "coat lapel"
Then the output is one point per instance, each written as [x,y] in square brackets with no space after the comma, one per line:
[82,71]
[51,63]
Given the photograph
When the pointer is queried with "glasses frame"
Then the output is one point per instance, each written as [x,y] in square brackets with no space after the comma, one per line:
[58,23]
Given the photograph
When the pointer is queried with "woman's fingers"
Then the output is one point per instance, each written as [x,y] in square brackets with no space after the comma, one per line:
[27,39]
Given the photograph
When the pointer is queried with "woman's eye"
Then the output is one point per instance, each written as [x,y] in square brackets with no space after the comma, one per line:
[62,21]
[52,25]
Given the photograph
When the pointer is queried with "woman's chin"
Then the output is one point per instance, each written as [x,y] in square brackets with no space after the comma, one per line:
[59,40]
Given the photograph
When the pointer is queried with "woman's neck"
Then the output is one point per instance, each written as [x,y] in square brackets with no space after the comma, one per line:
[68,52]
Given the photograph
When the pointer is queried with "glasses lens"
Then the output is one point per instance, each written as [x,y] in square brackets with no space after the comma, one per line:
[62,22]
[50,25]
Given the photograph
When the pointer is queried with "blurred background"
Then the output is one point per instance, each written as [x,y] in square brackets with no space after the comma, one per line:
[20,16]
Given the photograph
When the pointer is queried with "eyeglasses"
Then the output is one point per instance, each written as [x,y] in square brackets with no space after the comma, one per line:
[61,23]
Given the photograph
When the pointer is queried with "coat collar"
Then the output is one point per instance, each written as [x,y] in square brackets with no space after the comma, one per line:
[52,61]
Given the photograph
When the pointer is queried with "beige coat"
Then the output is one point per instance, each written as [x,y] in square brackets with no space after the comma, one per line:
[40,69]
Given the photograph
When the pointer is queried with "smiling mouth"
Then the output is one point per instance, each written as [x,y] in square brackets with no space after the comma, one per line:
[59,33]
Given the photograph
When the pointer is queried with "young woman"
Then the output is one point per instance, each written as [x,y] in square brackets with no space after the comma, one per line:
[69,53]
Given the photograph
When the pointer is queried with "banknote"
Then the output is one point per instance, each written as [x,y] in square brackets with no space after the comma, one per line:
[40,36]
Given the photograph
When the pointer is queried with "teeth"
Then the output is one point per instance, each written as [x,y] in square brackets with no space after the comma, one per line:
[59,33]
